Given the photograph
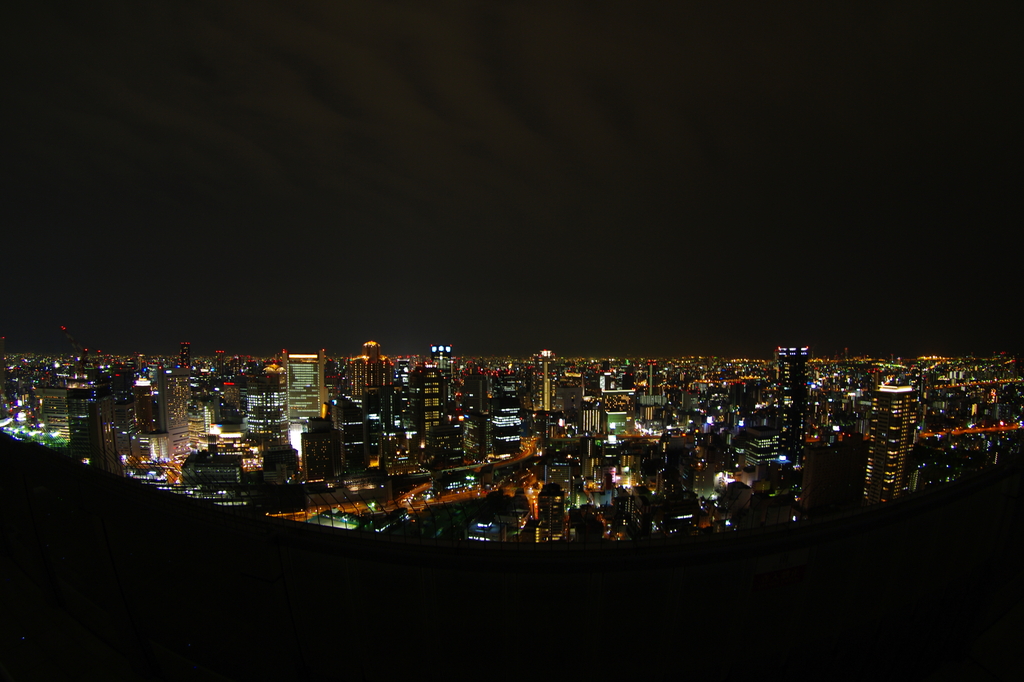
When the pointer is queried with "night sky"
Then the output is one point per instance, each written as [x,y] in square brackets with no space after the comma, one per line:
[653,178]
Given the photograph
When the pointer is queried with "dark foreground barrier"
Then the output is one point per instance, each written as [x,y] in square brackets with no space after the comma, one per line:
[894,592]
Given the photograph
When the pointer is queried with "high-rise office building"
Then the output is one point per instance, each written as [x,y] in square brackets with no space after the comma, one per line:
[172,399]
[185,354]
[506,425]
[380,421]
[348,419]
[475,393]
[792,400]
[546,359]
[266,415]
[441,356]
[144,415]
[307,391]
[891,438]
[427,400]
[53,410]
[761,445]
[323,452]
[477,437]
[617,411]
[369,370]
[91,426]
[551,513]
[126,431]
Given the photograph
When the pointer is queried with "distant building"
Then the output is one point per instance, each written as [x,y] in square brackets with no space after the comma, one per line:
[617,410]
[212,471]
[506,426]
[307,390]
[173,393]
[280,464]
[551,513]
[379,420]
[441,356]
[792,365]
[546,360]
[91,426]
[369,370]
[348,419]
[427,401]
[475,392]
[762,445]
[126,431]
[266,416]
[477,437]
[323,451]
[53,410]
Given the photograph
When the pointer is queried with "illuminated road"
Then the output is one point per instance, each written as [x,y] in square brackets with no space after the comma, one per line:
[979,429]
[970,384]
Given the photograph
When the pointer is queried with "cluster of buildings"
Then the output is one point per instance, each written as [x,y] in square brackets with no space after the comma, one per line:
[554,448]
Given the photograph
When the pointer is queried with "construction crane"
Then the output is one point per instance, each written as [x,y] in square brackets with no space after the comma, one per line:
[81,354]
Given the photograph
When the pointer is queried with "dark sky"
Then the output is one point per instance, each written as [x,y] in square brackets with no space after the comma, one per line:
[661,178]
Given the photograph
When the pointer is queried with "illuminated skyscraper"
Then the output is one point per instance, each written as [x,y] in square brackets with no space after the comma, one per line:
[185,354]
[306,389]
[369,370]
[792,401]
[53,410]
[547,360]
[441,355]
[891,438]
[427,400]
[652,377]
[617,408]
[172,407]
[477,437]
[266,414]
[506,425]
[144,417]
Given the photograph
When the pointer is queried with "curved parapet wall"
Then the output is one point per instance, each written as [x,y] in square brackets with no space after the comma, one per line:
[887,593]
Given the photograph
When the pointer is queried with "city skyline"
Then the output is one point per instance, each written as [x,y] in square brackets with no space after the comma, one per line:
[611,257]
[170,351]
[652,179]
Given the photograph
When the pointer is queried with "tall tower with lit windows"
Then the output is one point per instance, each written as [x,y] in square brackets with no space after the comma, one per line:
[547,361]
[890,440]
[427,400]
[441,356]
[307,391]
[266,414]
[172,398]
[792,401]
[369,370]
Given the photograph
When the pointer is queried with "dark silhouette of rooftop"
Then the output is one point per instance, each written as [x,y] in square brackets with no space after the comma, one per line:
[123,579]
